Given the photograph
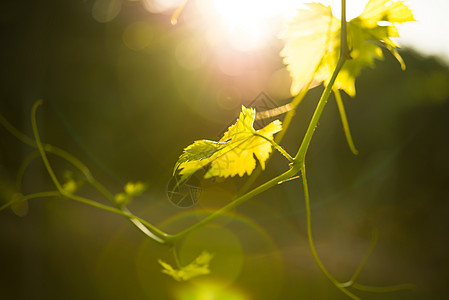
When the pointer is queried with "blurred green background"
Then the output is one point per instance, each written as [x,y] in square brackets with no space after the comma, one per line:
[126,96]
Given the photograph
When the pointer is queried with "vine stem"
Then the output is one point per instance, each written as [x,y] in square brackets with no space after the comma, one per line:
[151,230]
[301,154]
[356,274]
[20,198]
[344,55]
[299,159]
[274,181]
[278,138]
[159,235]
[311,242]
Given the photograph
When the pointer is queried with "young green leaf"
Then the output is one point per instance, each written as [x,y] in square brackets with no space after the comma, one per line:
[70,186]
[312,42]
[131,189]
[134,188]
[234,154]
[199,150]
[312,34]
[200,266]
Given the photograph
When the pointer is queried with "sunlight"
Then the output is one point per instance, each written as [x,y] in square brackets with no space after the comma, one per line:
[249,13]
[246,25]
[353,7]
[210,291]
[250,24]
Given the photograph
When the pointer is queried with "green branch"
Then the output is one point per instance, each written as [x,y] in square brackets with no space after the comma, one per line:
[43,148]
[301,154]
[356,274]
[19,198]
[263,187]
[20,136]
[312,244]
[151,231]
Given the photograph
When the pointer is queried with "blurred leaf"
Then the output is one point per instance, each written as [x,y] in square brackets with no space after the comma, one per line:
[200,266]
[122,199]
[132,189]
[234,153]
[312,42]
[70,186]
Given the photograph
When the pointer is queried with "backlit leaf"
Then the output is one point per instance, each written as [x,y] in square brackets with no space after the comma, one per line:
[134,188]
[312,42]
[131,189]
[312,34]
[199,150]
[200,266]
[234,154]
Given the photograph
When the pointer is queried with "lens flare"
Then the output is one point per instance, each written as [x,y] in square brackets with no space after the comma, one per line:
[249,24]
[210,291]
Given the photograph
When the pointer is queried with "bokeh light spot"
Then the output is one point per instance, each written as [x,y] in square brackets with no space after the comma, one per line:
[228,254]
[138,36]
[159,6]
[210,291]
[104,11]
[229,98]
[190,54]
[231,62]
[279,84]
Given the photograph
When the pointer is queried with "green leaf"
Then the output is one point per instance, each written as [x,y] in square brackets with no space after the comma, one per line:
[131,189]
[312,42]
[122,199]
[200,266]
[234,154]
[312,34]
[70,186]
[199,150]
[134,188]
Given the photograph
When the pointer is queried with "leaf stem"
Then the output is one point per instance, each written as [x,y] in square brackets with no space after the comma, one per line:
[344,121]
[276,146]
[278,138]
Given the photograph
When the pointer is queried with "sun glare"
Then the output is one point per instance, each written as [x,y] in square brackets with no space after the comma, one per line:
[249,24]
